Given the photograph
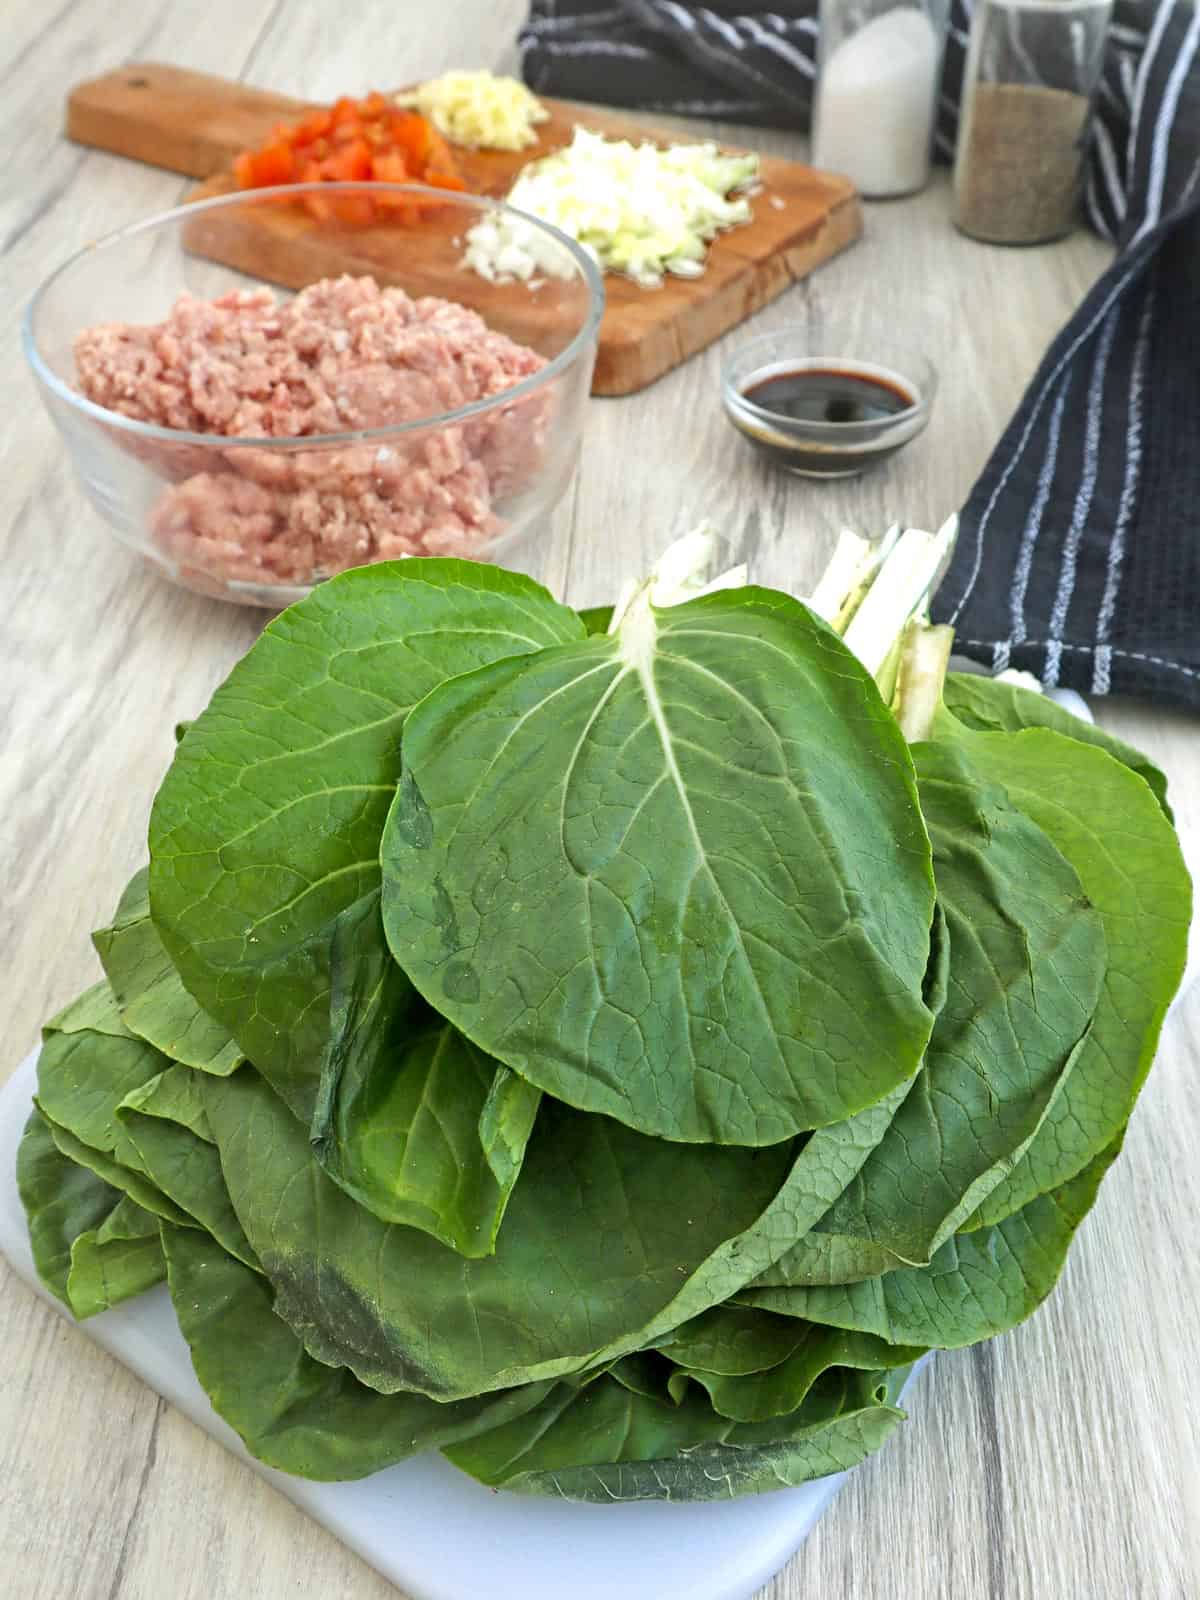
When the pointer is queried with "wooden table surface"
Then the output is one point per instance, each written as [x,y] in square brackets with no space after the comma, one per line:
[1061,1462]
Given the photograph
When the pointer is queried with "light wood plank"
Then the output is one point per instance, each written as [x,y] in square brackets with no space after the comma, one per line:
[1060,1462]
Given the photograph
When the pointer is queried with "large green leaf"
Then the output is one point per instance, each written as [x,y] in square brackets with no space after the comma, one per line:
[677,875]
[89,1063]
[84,1073]
[267,824]
[153,1002]
[291,1411]
[128,1180]
[91,1245]
[781,1390]
[1109,825]
[987,705]
[826,1163]
[1027,957]
[412,1120]
[120,1259]
[978,1285]
[608,1443]
[589,1253]
[596,619]
[733,1340]
[94,1011]
[165,1125]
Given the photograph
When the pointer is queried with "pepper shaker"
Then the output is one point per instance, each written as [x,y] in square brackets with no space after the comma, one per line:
[879,66]
[1032,69]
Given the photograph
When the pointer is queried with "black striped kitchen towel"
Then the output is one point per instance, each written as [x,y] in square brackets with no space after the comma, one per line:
[1079,552]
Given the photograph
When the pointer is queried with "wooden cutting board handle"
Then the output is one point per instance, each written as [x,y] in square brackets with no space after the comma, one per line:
[187,122]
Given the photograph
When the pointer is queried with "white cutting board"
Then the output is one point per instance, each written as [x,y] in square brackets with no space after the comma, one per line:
[432,1530]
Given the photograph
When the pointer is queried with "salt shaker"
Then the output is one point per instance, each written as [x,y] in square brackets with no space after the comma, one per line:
[879,64]
[1032,69]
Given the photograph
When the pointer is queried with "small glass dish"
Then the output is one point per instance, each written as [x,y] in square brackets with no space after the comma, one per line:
[829,401]
[462,465]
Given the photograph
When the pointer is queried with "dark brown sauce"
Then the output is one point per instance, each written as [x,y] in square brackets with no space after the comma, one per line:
[824,394]
[828,395]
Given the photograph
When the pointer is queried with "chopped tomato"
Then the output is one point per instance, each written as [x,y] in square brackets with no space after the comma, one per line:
[390,168]
[274,163]
[368,140]
[313,127]
[352,163]
[413,137]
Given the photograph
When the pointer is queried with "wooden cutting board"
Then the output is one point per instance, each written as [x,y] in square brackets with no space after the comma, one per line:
[191,123]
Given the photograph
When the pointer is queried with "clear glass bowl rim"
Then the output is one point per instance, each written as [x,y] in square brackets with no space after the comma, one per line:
[919,371]
[590,272]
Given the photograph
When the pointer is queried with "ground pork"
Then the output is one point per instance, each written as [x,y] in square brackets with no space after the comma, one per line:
[342,355]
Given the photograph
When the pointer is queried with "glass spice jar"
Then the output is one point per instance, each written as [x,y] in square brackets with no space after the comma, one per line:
[1032,70]
[879,64]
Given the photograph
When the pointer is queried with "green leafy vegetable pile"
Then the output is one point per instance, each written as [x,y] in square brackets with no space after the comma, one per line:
[611,1051]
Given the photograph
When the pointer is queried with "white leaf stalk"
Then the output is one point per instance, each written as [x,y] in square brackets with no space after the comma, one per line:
[900,590]
[876,595]
[683,572]
[920,673]
[851,571]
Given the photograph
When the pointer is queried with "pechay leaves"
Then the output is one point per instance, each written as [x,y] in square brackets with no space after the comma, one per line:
[733,1341]
[596,619]
[165,1125]
[121,1258]
[782,1390]
[291,1411]
[105,1095]
[677,875]
[612,1057]
[1111,827]
[608,1443]
[127,1180]
[267,824]
[1027,956]
[93,1247]
[575,1269]
[412,1121]
[84,1073]
[149,992]
[988,705]
[979,1284]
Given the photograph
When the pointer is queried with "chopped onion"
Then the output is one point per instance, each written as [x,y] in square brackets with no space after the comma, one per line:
[638,209]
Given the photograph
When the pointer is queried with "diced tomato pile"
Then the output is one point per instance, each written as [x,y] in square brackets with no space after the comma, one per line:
[354,141]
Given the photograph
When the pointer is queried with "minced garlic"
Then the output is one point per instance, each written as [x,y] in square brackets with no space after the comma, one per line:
[479,109]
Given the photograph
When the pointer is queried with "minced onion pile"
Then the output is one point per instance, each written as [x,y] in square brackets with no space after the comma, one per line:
[638,209]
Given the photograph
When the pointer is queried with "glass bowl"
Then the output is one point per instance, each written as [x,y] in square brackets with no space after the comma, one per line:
[828,400]
[464,452]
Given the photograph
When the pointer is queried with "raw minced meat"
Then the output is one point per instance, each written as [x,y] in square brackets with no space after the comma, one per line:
[342,355]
